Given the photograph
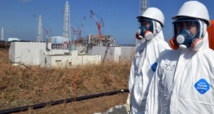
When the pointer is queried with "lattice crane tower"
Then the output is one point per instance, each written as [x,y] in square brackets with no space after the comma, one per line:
[66,28]
[39,34]
[2,34]
[143,6]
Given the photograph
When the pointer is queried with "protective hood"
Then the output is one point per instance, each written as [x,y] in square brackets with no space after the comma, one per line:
[205,39]
[183,82]
[140,73]
[158,33]
[204,34]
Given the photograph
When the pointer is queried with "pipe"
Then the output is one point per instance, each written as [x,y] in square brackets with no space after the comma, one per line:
[41,105]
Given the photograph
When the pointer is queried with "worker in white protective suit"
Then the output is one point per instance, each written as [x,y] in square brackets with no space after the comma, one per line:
[150,32]
[184,79]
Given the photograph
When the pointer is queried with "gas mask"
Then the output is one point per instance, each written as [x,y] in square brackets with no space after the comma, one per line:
[186,34]
[145,31]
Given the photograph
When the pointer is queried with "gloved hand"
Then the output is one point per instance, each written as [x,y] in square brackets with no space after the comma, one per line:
[128,103]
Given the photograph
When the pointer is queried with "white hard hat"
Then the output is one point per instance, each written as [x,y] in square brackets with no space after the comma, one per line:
[194,9]
[153,13]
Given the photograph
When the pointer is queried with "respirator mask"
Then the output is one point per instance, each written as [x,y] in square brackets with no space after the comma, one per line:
[186,34]
[145,30]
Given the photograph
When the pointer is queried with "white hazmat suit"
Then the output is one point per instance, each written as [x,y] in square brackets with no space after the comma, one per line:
[184,81]
[141,72]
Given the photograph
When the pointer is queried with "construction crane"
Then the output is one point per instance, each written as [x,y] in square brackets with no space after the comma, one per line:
[81,27]
[74,31]
[46,32]
[78,32]
[99,25]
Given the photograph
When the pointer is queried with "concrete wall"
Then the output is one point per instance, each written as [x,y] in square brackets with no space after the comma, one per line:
[98,50]
[127,53]
[26,52]
[59,51]
[12,52]
[80,48]
[114,53]
[50,60]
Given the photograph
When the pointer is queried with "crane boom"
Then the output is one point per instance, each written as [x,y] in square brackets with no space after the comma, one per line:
[80,29]
[99,25]
[46,32]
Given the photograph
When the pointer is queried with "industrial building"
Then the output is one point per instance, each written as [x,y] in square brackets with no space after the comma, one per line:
[41,54]
[94,40]
[61,51]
